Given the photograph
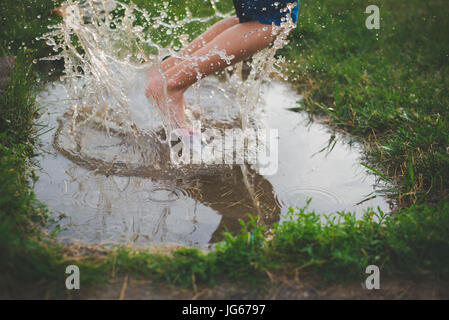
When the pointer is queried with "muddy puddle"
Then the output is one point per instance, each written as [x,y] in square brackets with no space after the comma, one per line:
[103,204]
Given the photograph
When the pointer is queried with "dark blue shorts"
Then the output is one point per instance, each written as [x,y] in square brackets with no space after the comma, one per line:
[265,11]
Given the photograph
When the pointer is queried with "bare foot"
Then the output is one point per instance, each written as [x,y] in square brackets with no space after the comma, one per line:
[171,105]
[153,71]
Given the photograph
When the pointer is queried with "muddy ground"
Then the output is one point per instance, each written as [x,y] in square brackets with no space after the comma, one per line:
[283,288]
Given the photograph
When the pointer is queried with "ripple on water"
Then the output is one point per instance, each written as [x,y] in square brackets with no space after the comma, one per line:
[162,194]
[322,199]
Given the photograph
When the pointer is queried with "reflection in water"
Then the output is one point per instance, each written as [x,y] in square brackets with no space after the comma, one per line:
[182,210]
[144,204]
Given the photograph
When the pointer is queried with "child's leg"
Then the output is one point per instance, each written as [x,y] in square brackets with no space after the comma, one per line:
[200,41]
[240,41]
[194,46]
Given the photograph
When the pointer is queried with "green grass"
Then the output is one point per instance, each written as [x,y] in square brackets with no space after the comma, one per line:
[22,23]
[387,86]
[389,92]
[338,251]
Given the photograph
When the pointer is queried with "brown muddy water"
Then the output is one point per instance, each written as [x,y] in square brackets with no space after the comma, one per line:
[102,204]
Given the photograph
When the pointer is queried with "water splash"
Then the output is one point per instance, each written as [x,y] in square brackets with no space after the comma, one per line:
[108,48]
